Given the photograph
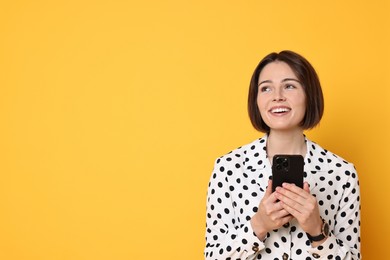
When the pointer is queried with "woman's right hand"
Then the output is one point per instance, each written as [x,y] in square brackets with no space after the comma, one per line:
[270,214]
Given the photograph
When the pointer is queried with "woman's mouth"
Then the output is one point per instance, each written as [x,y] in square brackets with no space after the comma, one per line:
[280,110]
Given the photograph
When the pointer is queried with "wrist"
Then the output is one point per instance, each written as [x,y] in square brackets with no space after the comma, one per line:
[320,235]
[316,230]
[258,229]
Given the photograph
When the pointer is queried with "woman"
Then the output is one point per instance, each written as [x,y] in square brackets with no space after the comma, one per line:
[245,219]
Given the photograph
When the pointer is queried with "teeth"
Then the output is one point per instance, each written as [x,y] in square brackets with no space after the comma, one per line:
[280,110]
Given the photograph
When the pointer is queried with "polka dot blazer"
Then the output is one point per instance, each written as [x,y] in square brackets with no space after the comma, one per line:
[237,185]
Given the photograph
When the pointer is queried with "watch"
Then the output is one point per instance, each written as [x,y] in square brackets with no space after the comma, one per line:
[324,232]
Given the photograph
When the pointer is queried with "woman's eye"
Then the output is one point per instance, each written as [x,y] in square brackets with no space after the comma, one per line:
[265,89]
[289,86]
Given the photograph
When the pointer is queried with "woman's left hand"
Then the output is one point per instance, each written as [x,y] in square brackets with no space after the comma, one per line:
[301,205]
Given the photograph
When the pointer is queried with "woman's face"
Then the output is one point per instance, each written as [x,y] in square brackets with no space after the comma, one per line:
[281,98]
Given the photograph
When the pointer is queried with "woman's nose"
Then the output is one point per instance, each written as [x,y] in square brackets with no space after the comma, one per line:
[278,96]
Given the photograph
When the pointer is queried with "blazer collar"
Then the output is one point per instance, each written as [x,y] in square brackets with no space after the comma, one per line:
[256,154]
[315,158]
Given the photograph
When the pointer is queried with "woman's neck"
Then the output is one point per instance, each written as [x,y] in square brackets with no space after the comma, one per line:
[292,142]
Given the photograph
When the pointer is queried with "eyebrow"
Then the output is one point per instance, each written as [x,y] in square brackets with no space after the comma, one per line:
[284,80]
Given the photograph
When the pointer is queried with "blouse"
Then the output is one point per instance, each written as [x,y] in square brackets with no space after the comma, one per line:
[237,185]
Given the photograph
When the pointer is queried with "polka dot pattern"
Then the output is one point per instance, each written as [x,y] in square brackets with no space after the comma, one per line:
[237,185]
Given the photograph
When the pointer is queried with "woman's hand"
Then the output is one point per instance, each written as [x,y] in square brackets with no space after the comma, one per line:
[270,215]
[302,205]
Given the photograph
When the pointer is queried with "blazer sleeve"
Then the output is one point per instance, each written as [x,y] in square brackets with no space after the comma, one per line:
[344,240]
[225,238]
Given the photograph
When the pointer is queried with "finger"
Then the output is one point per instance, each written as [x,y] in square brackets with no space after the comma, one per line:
[287,219]
[298,208]
[306,187]
[289,197]
[291,210]
[295,205]
[280,212]
[272,198]
[268,191]
[277,206]
[296,190]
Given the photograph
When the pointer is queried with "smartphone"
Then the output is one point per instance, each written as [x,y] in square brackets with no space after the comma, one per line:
[287,168]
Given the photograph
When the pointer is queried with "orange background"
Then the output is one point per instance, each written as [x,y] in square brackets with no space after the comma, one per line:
[113,112]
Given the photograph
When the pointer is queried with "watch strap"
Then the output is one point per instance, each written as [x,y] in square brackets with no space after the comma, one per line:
[324,233]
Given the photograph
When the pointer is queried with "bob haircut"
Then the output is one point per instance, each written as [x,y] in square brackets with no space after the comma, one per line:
[308,77]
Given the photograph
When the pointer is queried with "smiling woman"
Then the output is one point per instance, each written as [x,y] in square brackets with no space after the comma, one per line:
[281,99]
[299,73]
[245,218]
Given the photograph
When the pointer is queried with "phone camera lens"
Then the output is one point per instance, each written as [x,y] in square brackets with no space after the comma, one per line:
[279,160]
[285,164]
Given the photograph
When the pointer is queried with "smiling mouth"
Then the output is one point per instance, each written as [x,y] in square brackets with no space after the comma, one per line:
[280,110]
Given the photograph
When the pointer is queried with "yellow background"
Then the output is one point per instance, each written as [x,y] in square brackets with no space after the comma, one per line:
[113,112]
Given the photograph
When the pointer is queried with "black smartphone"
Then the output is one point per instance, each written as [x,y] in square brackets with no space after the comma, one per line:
[287,168]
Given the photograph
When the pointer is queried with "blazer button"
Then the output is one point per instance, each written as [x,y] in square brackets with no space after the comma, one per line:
[316,256]
[285,256]
[255,248]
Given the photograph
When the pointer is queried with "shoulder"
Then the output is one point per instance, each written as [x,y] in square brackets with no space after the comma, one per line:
[244,151]
[243,155]
[331,161]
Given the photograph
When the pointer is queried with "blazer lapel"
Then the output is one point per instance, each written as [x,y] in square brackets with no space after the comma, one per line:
[315,162]
[257,163]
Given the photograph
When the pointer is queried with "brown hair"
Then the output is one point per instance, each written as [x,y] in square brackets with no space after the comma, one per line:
[309,80]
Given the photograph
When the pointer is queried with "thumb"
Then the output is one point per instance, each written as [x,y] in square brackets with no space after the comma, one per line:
[268,191]
[269,194]
[306,187]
